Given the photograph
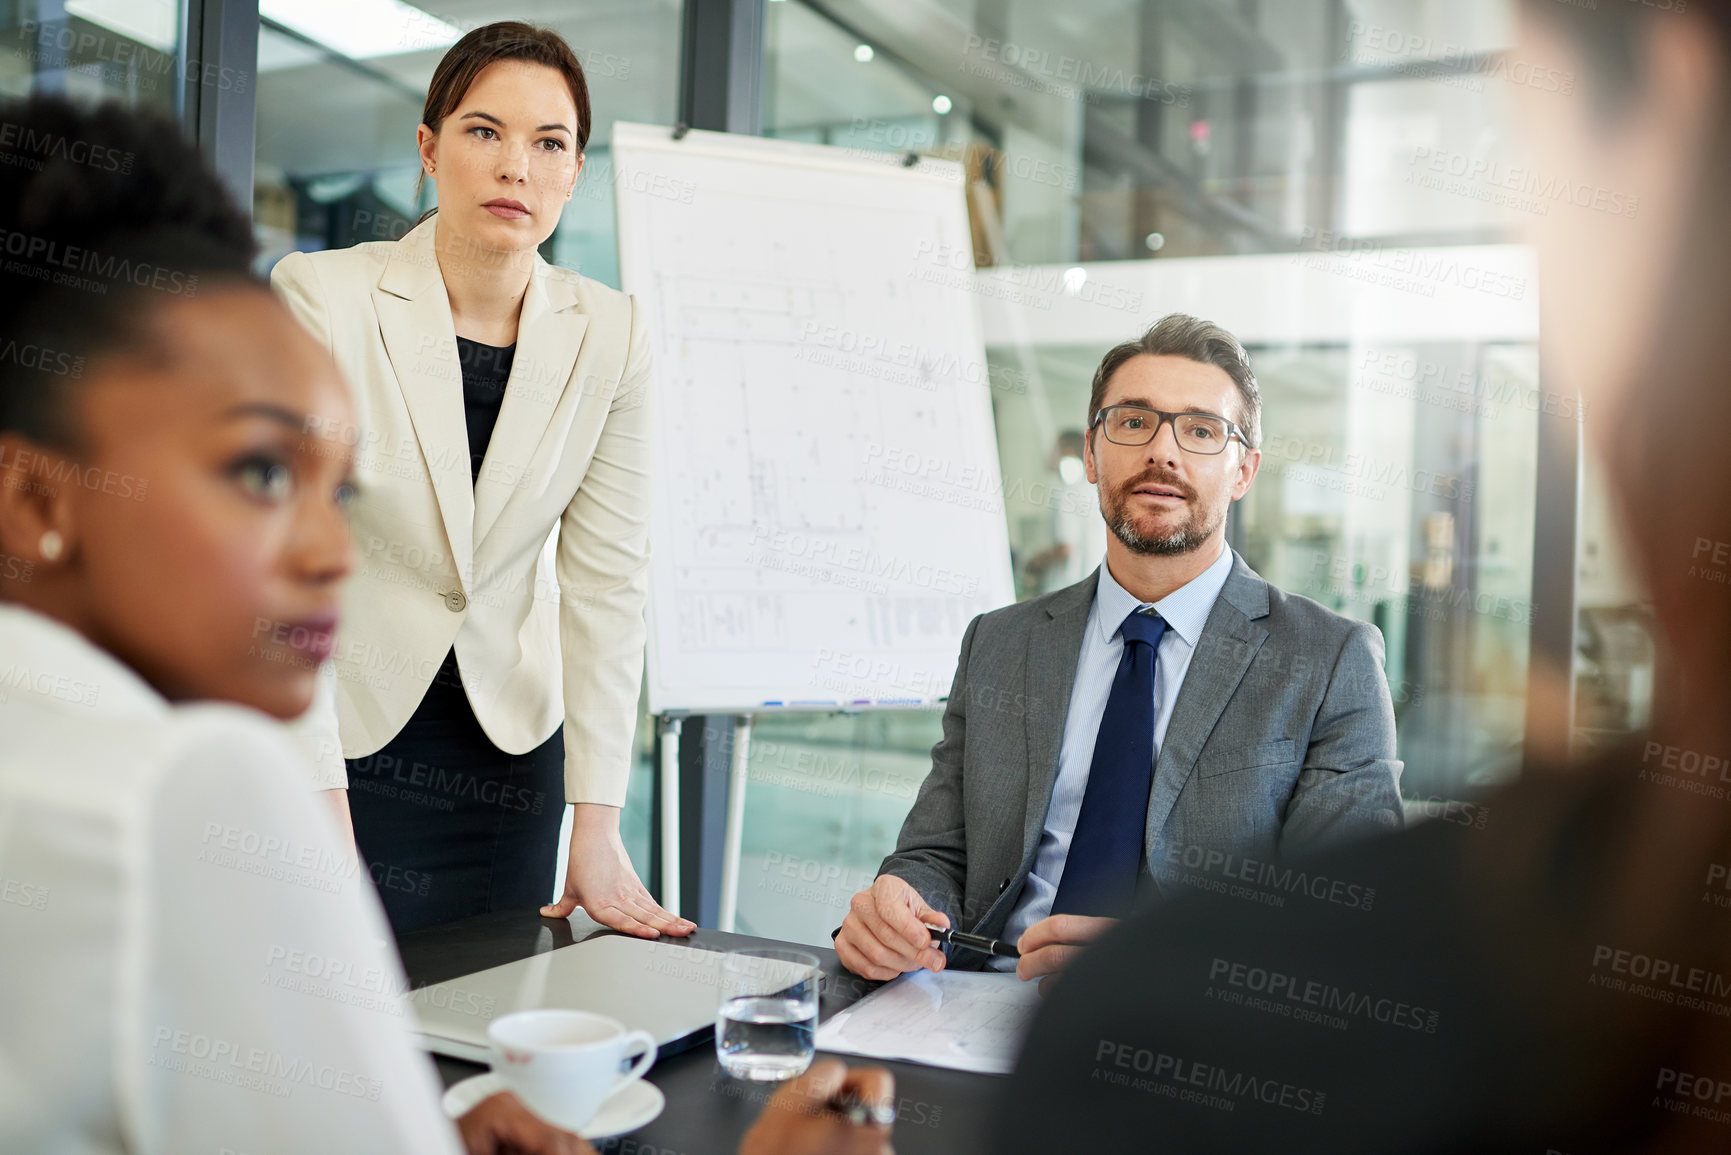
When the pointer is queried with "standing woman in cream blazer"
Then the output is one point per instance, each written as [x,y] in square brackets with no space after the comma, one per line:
[501,403]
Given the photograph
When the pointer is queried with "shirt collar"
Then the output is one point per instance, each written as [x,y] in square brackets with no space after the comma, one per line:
[1185,609]
[48,663]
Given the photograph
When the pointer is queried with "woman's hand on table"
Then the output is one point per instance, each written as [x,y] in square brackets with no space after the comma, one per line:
[599,878]
[501,1125]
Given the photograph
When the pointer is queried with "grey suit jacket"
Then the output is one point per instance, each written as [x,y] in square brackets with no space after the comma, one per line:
[1281,741]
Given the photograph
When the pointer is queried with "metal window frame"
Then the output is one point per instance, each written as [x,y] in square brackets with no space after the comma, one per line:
[721,53]
[1550,722]
[218,99]
[721,65]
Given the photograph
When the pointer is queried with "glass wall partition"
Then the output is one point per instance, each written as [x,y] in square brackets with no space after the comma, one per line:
[135,51]
[1330,179]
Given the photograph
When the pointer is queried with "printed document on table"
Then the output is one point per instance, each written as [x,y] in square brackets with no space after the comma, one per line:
[964,1020]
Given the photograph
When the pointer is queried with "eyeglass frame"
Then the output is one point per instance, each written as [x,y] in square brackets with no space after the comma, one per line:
[1232,427]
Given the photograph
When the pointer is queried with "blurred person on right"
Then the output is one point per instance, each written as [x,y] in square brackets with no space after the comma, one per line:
[1559,981]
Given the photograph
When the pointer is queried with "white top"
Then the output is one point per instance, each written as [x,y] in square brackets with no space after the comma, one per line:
[1186,611]
[190,962]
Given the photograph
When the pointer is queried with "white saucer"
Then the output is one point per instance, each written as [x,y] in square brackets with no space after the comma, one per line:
[633,1105]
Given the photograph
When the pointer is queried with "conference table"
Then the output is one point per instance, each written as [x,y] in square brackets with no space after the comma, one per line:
[707,1111]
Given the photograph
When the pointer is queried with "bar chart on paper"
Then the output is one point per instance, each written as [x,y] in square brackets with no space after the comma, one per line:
[828,507]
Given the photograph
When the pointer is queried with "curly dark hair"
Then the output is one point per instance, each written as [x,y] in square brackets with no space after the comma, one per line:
[105,213]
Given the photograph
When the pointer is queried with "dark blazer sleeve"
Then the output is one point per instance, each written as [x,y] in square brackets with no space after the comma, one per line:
[1349,785]
[1223,1024]
[931,851]
[1447,989]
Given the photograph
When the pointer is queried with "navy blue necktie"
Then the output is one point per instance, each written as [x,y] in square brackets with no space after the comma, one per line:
[1105,859]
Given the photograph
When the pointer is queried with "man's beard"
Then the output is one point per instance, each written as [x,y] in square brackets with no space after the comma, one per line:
[1197,528]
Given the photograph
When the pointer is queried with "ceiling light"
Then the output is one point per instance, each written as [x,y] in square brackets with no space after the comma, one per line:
[363,28]
[152,22]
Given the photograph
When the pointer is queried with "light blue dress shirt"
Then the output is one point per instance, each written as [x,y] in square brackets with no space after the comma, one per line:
[1186,610]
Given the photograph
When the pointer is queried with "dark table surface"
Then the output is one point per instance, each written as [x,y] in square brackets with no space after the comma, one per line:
[707,1112]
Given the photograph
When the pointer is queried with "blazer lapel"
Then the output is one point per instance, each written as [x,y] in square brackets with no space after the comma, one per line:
[415,321]
[1229,642]
[549,333]
[1054,644]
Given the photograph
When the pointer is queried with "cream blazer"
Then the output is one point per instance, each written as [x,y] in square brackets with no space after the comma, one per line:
[537,572]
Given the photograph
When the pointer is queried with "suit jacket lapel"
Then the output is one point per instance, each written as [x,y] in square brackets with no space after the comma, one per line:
[415,321]
[549,333]
[1229,642]
[1054,644]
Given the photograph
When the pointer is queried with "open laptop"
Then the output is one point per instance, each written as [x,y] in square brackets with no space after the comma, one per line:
[671,991]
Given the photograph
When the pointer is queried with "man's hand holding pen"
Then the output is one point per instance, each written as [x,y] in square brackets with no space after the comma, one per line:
[884,934]
[890,930]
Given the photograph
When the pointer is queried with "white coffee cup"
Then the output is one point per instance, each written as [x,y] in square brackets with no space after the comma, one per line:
[564,1064]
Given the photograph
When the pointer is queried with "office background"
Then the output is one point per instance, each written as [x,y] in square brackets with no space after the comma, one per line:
[1337,181]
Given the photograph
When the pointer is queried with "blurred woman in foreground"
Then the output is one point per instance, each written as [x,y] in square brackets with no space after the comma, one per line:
[1560,980]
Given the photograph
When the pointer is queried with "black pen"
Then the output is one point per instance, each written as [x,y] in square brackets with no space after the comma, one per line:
[977,942]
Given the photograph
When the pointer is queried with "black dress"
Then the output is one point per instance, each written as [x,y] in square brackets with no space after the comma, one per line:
[449,824]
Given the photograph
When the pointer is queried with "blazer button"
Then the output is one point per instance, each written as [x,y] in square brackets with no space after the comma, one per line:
[455,601]
[1003,886]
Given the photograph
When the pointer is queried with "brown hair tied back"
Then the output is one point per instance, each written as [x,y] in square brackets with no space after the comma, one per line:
[490,44]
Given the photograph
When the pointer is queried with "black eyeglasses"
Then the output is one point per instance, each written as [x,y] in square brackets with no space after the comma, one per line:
[1195,432]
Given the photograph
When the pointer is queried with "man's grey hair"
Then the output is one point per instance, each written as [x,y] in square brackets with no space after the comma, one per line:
[1181,335]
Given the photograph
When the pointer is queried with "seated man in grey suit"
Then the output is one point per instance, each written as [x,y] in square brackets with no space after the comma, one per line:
[1171,720]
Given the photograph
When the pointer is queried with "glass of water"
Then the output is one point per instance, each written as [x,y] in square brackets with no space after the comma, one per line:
[767,1025]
